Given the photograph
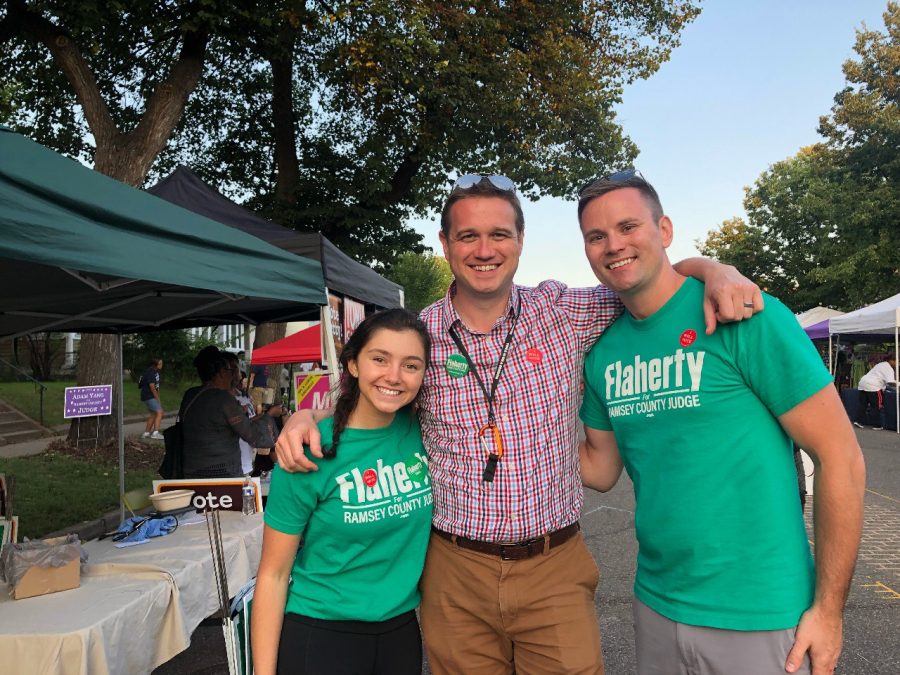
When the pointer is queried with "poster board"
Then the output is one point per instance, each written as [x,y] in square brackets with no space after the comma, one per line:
[354,313]
[311,390]
[217,493]
[90,401]
[336,321]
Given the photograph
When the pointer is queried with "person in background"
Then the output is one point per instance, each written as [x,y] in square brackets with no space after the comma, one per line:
[704,423]
[213,421]
[345,603]
[239,390]
[149,384]
[871,391]
[285,381]
[259,382]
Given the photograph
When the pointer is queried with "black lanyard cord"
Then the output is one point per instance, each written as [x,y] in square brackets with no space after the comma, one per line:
[498,369]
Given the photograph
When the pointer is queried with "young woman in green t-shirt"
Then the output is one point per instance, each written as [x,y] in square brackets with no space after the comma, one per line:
[345,602]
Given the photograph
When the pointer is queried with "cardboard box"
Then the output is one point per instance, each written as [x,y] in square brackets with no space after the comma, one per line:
[41,580]
[33,564]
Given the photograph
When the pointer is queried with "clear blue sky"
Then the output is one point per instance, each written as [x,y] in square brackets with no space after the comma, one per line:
[744,90]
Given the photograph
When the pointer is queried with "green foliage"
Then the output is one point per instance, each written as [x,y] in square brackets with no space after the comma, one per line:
[387,98]
[6,102]
[177,349]
[425,278]
[823,225]
[54,491]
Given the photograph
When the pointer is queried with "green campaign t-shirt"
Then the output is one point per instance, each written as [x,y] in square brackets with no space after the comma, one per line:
[718,521]
[365,517]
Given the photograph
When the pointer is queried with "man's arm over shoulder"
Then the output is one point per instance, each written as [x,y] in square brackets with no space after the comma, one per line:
[820,426]
[589,311]
[729,295]
[300,429]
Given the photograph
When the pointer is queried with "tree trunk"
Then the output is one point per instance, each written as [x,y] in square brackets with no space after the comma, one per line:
[265,334]
[123,156]
[97,364]
[284,134]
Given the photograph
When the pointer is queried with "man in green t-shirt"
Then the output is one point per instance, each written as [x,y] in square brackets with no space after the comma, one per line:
[704,426]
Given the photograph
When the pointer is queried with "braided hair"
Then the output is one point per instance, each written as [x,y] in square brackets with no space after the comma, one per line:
[348,387]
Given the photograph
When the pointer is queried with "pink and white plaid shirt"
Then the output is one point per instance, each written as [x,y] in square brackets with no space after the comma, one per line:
[537,487]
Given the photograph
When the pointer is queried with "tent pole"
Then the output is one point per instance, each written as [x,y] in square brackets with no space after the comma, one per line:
[120,419]
[830,361]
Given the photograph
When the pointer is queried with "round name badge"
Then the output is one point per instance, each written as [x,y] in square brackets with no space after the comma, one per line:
[456,365]
[370,477]
[688,337]
[534,355]
[415,469]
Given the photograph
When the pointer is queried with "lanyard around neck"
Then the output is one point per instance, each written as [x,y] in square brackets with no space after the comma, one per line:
[498,369]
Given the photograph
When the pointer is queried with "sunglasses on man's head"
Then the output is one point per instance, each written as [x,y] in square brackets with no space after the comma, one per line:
[617,177]
[470,180]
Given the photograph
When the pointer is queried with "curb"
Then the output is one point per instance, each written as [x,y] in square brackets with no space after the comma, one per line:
[61,429]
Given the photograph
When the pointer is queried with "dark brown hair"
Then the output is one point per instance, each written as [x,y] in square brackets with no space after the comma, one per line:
[603,186]
[348,391]
[483,188]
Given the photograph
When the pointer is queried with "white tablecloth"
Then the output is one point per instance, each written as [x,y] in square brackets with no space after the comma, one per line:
[136,607]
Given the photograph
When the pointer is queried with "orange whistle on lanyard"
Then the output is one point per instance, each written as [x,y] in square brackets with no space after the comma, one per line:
[494,456]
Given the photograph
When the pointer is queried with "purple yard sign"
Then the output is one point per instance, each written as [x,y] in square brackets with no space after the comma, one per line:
[88,401]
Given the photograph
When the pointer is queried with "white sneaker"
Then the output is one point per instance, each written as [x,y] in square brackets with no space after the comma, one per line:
[157,436]
[858,425]
[146,434]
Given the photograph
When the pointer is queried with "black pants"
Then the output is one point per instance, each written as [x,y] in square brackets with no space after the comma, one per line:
[867,400]
[317,647]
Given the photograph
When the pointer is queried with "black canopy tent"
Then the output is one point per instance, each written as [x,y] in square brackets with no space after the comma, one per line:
[341,273]
[81,251]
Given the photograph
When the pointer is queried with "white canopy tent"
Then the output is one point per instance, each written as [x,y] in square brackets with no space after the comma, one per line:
[816,315]
[880,319]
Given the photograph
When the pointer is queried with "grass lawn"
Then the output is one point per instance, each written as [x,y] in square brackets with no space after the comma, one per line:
[24,396]
[54,491]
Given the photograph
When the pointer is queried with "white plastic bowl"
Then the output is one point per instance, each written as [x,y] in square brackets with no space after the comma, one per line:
[172,500]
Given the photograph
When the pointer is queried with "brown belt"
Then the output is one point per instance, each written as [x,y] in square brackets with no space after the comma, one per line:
[515,551]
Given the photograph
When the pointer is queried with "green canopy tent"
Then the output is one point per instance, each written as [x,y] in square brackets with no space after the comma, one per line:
[80,251]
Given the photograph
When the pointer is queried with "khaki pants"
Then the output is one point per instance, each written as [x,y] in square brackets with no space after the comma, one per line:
[261,395]
[482,615]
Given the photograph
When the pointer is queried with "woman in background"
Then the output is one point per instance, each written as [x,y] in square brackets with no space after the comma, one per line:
[213,421]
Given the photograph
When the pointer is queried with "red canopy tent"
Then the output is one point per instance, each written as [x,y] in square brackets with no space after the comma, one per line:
[302,347]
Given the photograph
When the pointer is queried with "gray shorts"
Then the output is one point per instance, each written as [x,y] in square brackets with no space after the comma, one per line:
[665,647]
[153,405]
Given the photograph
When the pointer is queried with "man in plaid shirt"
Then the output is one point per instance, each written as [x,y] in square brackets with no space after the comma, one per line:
[509,583]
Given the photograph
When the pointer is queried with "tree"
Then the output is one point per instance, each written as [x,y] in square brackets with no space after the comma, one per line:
[823,225]
[129,105]
[743,246]
[415,91]
[864,132]
[388,98]
[344,117]
[425,278]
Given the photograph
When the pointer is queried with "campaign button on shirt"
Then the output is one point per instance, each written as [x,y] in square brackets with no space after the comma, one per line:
[456,365]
